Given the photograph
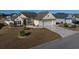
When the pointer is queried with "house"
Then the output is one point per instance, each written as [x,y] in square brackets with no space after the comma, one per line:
[70,19]
[77,17]
[65,18]
[8,20]
[44,19]
[19,19]
[60,17]
[30,17]
[15,18]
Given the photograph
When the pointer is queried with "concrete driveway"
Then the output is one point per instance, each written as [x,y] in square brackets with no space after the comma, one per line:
[70,42]
[61,31]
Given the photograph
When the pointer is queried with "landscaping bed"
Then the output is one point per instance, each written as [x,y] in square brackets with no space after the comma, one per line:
[9,37]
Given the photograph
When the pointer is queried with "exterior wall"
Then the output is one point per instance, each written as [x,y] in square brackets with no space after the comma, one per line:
[60,20]
[77,19]
[69,21]
[44,23]
[36,22]
[8,22]
[30,21]
[19,19]
[53,22]
[49,16]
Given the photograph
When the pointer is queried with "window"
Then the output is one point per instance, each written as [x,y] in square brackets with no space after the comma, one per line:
[18,22]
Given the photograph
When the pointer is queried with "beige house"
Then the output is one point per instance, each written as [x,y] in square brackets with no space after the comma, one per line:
[45,19]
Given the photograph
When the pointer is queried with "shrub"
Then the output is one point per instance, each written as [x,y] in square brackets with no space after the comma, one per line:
[72,26]
[65,25]
[22,33]
[69,25]
[25,28]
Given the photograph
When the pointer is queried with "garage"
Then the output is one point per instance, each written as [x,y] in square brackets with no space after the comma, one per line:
[47,23]
[45,19]
[50,22]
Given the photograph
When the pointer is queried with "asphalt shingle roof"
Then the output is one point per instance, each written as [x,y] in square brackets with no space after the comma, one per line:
[29,14]
[60,15]
[76,15]
[41,15]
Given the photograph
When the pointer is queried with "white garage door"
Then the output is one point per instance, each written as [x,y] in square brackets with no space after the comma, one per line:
[47,23]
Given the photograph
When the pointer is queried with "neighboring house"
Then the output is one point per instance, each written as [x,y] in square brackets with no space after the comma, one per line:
[44,19]
[8,20]
[60,17]
[70,19]
[14,18]
[77,17]
[65,18]
[20,18]
[30,16]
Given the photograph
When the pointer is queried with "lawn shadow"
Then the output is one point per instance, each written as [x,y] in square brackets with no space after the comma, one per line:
[27,34]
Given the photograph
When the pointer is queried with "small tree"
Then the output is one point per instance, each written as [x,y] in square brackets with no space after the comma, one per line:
[22,33]
[24,22]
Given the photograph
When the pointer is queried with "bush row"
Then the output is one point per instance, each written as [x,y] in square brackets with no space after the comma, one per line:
[70,25]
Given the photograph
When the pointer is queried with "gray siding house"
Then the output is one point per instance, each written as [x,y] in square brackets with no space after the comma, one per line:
[65,18]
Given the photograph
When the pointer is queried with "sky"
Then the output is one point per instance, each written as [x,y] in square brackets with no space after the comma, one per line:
[53,11]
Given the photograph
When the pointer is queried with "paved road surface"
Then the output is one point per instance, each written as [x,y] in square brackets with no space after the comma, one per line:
[71,42]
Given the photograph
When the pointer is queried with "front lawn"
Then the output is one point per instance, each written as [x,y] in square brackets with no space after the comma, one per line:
[9,37]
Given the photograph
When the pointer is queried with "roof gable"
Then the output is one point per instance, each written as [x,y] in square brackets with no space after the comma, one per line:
[49,16]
